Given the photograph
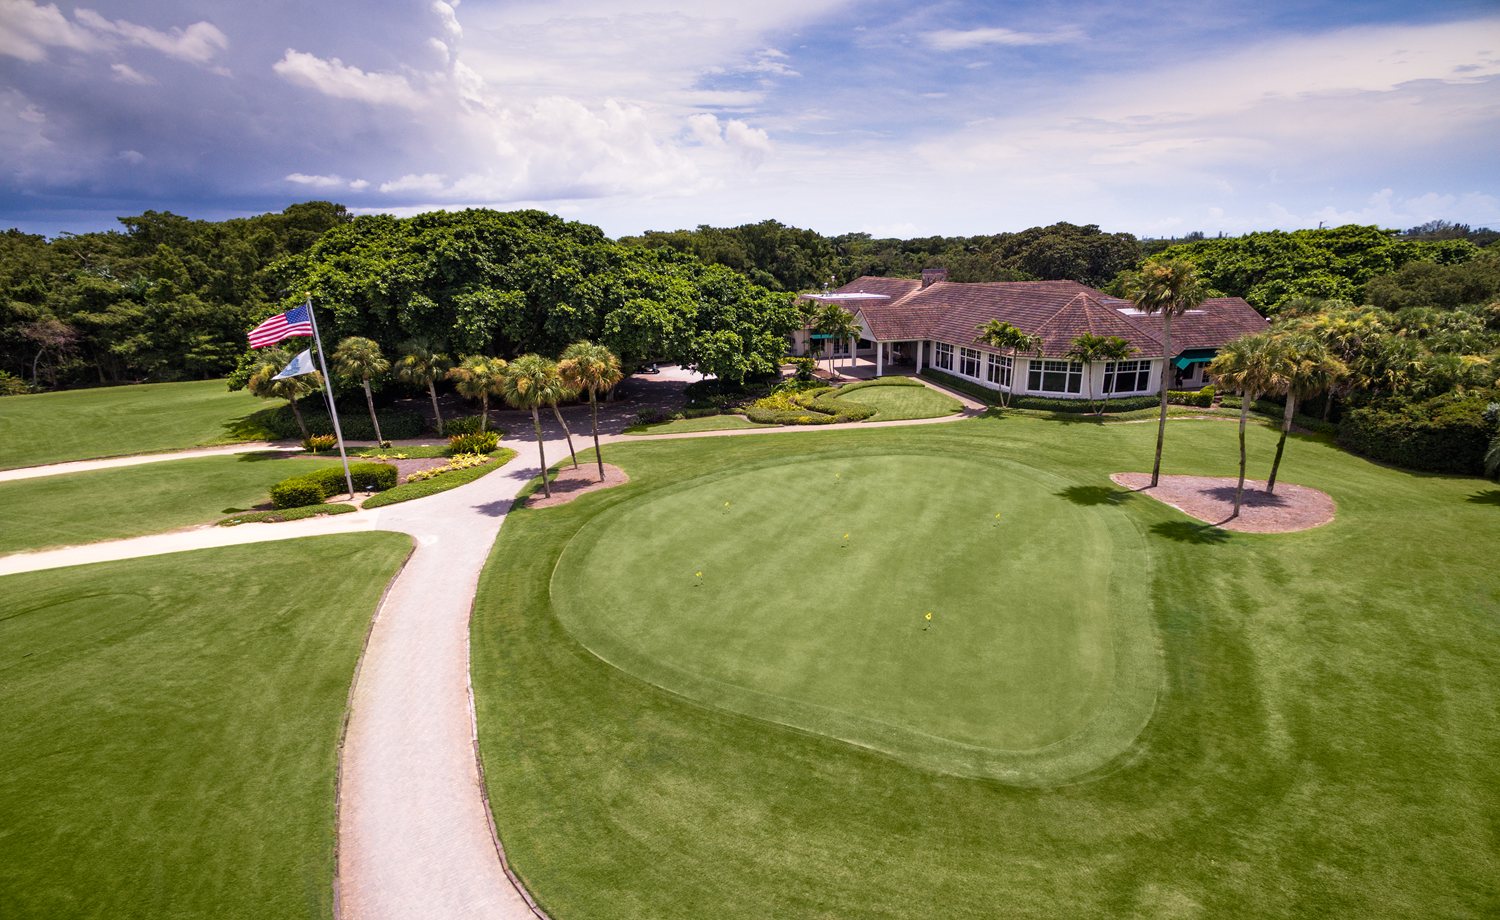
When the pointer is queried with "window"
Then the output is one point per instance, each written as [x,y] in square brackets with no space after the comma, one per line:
[1127,376]
[968,362]
[942,356]
[997,370]
[1055,377]
[840,346]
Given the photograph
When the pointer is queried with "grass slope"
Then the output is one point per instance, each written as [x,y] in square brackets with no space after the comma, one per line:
[171,728]
[116,421]
[133,500]
[1323,744]
[904,400]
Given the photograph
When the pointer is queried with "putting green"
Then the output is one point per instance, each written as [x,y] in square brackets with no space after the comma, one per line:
[1018,676]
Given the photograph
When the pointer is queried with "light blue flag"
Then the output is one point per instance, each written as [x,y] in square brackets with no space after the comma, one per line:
[302,364]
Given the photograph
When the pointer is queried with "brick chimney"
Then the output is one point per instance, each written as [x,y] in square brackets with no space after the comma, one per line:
[931,275]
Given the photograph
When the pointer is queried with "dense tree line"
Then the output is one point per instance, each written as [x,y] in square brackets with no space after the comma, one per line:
[166,298]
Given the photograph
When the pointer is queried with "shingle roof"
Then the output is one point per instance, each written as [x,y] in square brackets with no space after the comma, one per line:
[1059,311]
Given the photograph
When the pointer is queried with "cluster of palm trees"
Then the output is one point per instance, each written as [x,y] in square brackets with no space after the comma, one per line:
[833,324]
[530,382]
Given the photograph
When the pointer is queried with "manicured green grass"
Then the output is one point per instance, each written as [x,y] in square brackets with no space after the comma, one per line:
[115,421]
[133,500]
[799,617]
[285,514]
[171,728]
[904,400]
[706,423]
[1322,741]
[411,490]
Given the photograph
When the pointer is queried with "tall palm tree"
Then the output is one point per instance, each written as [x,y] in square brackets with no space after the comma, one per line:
[269,363]
[422,365]
[477,377]
[836,323]
[1089,348]
[359,358]
[564,391]
[1307,368]
[530,382]
[1169,288]
[1000,334]
[1249,365]
[591,368]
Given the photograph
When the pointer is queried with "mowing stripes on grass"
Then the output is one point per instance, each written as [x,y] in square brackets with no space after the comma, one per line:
[171,725]
[133,500]
[116,421]
[1323,744]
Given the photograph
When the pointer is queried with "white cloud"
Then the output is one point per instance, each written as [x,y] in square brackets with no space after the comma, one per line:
[27,30]
[333,77]
[198,43]
[315,181]
[124,73]
[967,39]
[359,185]
[449,18]
[133,157]
[427,183]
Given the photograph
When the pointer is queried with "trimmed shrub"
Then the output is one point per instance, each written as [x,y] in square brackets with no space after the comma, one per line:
[803,368]
[1080,406]
[11,385]
[394,423]
[704,412]
[296,492]
[1446,434]
[1202,399]
[319,442]
[479,442]
[652,416]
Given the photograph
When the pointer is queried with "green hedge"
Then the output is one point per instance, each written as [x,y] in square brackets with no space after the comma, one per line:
[1446,434]
[1081,406]
[288,514]
[312,488]
[463,424]
[981,393]
[394,423]
[1202,399]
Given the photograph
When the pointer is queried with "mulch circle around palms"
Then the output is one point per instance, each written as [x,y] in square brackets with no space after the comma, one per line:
[570,483]
[1210,499]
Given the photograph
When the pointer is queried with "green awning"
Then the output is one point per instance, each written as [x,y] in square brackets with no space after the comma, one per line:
[1194,356]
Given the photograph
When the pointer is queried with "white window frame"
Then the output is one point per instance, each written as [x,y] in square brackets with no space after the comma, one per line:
[999,370]
[1040,368]
[942,356]
[1137,370]
[968,357]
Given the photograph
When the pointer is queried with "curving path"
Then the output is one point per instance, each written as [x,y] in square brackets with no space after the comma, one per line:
[414,833]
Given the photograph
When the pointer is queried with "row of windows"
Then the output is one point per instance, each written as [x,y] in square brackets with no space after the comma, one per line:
[1044,376]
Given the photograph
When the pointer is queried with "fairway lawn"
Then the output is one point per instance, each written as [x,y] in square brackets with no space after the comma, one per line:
[894,401]
[704,423]
[117,421]
[171,727]
[130,501]
[1114,710]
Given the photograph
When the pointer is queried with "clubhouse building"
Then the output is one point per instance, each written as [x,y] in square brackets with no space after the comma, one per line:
[908,325]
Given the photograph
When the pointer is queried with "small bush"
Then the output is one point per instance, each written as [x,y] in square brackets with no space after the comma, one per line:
[803,368]
[464,424]
[319,442]
[459,462]
[1201,399]
[1078,406]
[703,412]
[296,492]
[1446,434]
[479,442]
[11,385]
[651,416]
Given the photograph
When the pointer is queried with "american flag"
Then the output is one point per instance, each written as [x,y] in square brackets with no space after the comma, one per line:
[297,321]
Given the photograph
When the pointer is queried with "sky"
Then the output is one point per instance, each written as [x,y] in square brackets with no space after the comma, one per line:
[1154,117]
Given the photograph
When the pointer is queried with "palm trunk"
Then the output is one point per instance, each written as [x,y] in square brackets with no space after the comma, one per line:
[1239,490]
[594,411]
[541,451]
[297,414]
[1161,422]
[1327,404]
[436,413]
[34,364]
[374,420]
[484,411]
[1286,426]
[566,433]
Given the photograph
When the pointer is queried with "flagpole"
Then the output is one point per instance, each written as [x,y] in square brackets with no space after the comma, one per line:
[333,409]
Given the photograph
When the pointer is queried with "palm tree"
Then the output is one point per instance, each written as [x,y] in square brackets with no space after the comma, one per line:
[836,323]
[591,368]
[1308,368]
[999,334]
[422,365]
[531,382]
[269,363]
[359,358]
[1169,287]
[1250,366]
[476,377]
[1089,348]
[564,391]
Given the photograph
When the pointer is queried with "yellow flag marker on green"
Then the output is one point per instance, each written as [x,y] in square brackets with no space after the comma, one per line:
[928,618]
